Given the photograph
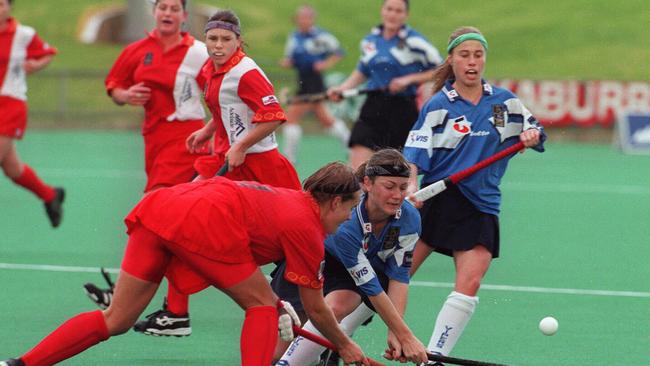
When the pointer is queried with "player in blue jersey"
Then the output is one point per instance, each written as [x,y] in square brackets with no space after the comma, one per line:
[395,59]
[368,259]
[464,122]
[310,50]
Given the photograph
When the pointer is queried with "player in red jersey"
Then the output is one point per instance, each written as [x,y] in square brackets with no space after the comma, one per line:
[245,114]
[160,72]
[220,229]
[22,52]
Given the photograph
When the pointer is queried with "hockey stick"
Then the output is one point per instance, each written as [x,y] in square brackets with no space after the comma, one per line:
[459,361]
[439,186]
[223,170]
[319,97]
[108,279]
[324,342]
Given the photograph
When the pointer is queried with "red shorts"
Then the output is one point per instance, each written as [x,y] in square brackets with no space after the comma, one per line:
[148,255]
[13,118]
[167,161]
[269,167]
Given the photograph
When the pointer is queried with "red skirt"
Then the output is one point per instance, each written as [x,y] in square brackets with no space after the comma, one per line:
[13,118]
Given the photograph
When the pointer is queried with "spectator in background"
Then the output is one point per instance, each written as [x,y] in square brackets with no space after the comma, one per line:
[466,121]
[394,60]
[22,52]
[310,50]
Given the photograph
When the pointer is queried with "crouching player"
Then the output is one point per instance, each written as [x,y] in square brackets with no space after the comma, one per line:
[219,229]
[368,259]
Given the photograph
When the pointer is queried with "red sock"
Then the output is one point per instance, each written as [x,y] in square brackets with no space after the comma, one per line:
[29,180]
[258,336]
[74,336]
[177,302]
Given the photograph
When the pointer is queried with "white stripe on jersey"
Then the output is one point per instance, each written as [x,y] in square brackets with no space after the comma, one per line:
[187,94]
[236,116]
[14,83]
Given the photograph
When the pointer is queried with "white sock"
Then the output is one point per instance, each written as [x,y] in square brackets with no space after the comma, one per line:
[452,319]
[340,130]
[350,323]
[302,351]
[292,134]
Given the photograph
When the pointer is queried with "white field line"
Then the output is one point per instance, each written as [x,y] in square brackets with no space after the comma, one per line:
[625,189]
[484,287]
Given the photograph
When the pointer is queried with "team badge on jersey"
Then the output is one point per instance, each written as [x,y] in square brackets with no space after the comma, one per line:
[391,239]
[498,114]
[461,125]
[148,59]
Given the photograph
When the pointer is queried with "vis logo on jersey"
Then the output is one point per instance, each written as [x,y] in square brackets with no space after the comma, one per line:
[361,273]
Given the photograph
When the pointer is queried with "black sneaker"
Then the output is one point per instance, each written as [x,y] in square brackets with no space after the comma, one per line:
[329,358]
[54,208]
[164,323]
[101,297]
[12,362]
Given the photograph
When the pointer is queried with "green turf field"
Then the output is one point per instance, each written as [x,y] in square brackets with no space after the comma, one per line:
[574,245]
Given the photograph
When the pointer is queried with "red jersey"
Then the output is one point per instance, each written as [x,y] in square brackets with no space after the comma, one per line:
[173,77]
[237,222]
[17,43]
[239,95]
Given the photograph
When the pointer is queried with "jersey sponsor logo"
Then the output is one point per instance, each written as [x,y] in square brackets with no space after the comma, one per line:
[148,59]
[415,137]
[270,99]
[369,47]
[479,133]
[498,114]
[362,273]
[236,124]
[391,239]
[365,243]
[408,260]
[359,274]
[461,125]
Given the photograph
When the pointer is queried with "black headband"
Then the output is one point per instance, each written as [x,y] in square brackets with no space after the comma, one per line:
[398,170]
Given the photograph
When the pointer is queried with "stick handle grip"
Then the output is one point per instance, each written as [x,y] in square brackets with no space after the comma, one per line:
[325,343]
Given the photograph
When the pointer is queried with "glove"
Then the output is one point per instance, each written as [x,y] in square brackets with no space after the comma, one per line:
[286,320]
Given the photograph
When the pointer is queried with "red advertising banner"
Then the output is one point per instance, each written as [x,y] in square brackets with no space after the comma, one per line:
[579,103]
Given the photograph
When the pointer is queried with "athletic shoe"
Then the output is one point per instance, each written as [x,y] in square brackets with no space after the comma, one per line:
[164,323]
[12,362]
[101,297]
[329,358]
[54,208]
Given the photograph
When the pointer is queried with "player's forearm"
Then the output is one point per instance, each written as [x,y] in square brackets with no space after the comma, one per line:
[331,61]
[39,64]
[390,315]
[353,80]
[420,77]
[119,96]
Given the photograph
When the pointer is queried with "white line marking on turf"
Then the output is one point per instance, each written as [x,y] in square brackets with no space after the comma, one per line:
[507,288]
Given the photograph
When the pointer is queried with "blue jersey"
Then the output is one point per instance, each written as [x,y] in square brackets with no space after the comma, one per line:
[452,134]
[305,49]
[406,53]
[362,253]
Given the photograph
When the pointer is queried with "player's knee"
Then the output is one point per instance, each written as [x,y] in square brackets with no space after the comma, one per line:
[339,311]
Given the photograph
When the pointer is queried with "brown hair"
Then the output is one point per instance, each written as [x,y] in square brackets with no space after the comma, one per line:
[406,2]
[384,157]
[444,72]
[334,179]
[227,16]
[183,2]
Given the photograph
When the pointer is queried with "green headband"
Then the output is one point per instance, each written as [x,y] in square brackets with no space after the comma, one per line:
[466,37]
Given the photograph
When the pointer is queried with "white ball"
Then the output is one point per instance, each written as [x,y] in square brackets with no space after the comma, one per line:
[548,326]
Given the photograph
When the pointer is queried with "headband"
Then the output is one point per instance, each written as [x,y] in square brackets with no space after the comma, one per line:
[400,170]
[466,37]
[222,25]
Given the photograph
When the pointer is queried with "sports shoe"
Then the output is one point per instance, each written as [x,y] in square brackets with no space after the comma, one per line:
[54,208]
[329,358]
[101,297]
[12,362]
[164,323]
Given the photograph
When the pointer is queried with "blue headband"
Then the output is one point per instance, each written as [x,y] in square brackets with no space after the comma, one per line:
[467,37]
